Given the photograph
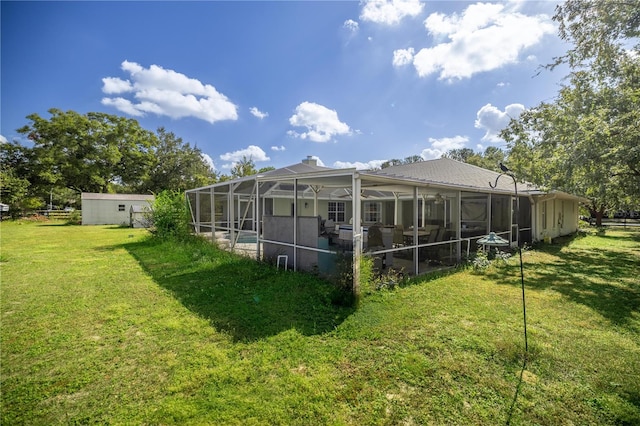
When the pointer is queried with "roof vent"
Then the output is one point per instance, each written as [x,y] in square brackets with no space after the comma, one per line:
[310,160]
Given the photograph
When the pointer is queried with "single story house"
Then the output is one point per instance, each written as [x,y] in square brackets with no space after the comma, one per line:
[410,217]
[113,209]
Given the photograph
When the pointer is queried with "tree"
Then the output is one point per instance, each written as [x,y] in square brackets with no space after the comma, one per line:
[407,160]
[97,152]
[462,154]
[14,187]
[175,165]
[87,152]
[587,141]
[490,159]
[266,169]
[244,167]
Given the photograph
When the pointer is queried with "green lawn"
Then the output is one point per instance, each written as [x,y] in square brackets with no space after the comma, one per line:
[103,325]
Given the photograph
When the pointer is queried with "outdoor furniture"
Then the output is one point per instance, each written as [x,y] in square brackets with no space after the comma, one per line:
[398,236]
[374,237]
[408,237]
[431,252]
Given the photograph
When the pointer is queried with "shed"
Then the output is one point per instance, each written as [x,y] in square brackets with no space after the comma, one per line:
[139,216]
[111,209]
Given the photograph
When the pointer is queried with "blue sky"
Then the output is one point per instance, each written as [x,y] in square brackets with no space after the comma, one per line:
[351,83]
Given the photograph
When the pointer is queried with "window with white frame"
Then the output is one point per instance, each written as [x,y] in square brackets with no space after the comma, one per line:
[336,211]
[544,215]
[120,207]
[372,211]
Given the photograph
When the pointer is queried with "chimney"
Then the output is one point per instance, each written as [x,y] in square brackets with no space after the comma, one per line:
[310,160]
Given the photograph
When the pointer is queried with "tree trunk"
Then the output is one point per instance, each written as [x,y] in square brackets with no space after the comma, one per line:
[598,212]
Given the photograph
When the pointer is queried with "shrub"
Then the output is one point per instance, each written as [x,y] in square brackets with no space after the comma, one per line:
[483,259]
[75,218]
[169,216]
[343,295]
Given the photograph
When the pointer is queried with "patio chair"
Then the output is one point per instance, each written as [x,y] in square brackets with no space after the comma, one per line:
[431,252]
[434,251]
[374,237]
[398,236]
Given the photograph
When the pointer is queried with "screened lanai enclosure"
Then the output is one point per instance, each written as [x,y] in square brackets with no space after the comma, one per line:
[410,218]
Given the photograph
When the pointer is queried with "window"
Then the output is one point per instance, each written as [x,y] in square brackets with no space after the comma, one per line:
[372,211]
[336,211]
[544,215]
[120,207]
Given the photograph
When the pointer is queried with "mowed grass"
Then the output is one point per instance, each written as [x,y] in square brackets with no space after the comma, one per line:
[104,325]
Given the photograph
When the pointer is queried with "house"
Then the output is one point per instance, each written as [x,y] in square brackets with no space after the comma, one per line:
[111,209]
[411,217]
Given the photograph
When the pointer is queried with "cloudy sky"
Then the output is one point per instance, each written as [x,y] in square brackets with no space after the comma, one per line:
[351,83]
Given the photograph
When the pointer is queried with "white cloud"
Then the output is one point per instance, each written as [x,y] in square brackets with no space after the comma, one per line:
[492,120]
[442,145]
[113,85]
[255,153]
[278,148]
[373,164]
[166,92]
[3,139]
[207,158]
[257,113]
[123,105]
[322,123]
[403,57]
[351,25]
[486,36]
[389,12]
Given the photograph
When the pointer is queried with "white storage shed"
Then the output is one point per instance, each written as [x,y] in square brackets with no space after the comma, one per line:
[111,209]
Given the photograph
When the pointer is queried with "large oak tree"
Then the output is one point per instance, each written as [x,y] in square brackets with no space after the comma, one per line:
[96,152]
[587,141]
[87,152]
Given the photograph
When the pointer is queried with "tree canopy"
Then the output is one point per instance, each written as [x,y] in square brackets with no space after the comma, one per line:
[175,165]
[587,141]
[86,152]
[398,162]
[489,159]
[95,152]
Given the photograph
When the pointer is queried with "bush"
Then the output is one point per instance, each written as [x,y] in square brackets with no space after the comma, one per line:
[371,280]
[75,218]
[483,259]
[169,216]
[342,294]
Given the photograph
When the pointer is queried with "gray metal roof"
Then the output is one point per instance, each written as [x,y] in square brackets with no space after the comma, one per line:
[295,169]
[119,197]
[445,171]
[439,173]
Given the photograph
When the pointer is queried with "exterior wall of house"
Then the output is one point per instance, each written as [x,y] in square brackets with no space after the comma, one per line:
[112,211]
[282,207]
[555,217]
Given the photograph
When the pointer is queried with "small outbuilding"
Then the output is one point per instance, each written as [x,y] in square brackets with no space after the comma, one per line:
[139,216]
[114,209]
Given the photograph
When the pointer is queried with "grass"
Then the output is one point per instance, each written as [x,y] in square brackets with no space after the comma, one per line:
[103,325]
